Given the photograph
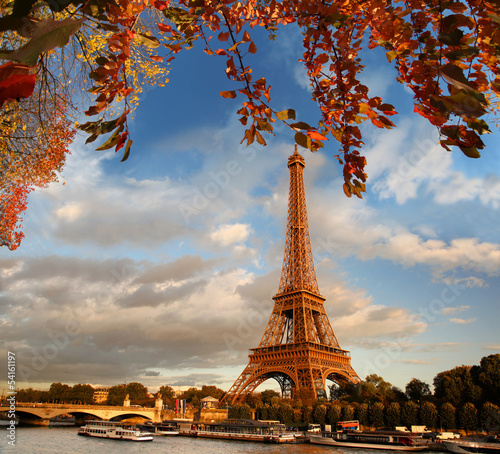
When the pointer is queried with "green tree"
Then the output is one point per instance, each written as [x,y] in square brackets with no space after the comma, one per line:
[393,415]
[59,393]
[457,386]
[447,416]
[374,388]
[376,414]
[239,411]
[416,390]
[263,412]
[409,414]
[82,394]
[136,391]
[285,413]
[319,414]
[307,414]
[267,395]
[254,400]
[333,415]
[273,412]
[211,391]
[347,413]
[489,378]
[166,392]
[116,395]
[490,417]
[362,414]
[468,417]
[190,394]
[428,414]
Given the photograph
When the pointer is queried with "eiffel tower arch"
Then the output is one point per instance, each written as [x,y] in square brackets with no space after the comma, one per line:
[299,348]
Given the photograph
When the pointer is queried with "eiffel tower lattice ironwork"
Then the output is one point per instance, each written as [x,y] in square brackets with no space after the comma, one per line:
[299,348]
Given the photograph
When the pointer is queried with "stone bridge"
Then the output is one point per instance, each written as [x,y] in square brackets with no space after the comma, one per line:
[40,414]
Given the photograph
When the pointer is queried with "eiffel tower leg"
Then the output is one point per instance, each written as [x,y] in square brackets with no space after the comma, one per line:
[245,384]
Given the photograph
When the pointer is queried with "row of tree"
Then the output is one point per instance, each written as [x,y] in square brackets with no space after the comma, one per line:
[137,393]
[378,415]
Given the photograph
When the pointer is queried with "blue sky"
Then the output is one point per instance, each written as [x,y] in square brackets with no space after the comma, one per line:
[162,269]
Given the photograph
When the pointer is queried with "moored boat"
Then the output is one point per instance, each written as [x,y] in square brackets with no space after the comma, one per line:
[113,431]
[389,442]
[164,428]
[246,430]
[490,445]
[348,435]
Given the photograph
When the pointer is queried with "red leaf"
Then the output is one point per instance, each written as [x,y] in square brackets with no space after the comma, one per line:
[164,27]
[17,86]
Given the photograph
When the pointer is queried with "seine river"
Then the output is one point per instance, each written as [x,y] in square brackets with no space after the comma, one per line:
[64,440]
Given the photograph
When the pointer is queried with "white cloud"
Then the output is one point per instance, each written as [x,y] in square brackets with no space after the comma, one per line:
[229,234]
[454,310]
[462,321]
[409,158]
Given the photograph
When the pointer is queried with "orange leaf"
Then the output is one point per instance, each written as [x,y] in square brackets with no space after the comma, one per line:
[228,94]
[315,135]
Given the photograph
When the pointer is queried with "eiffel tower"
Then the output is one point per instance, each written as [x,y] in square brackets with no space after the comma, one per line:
[299,348]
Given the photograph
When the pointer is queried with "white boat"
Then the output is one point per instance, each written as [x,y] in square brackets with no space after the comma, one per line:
[245,430]
[388,442]
[113,431]
[348,435]
[490,445]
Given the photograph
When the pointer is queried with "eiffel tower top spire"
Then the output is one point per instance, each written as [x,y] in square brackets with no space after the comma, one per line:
[298,265]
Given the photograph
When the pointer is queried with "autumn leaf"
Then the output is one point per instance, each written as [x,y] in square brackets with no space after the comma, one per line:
[15,82]
[288,114]
[46,35]
[228,94]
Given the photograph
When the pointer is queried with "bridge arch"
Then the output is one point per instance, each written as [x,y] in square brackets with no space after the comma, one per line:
[46,412]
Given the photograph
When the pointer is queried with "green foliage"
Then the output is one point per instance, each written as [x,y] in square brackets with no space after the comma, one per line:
[267,395]
[416,390]
[468,417]
[273,412]
[307,414]
[347,413]
[428,414]
[116,395]
[447,416]
[319,414]
[362,414]
[263,412]
[393,414]
[409,414]
[489,377]
[82,394]
[285,413]
[333,414]
[490,417]
[376,415]
[167,393]
[136,391]
[457,386]
[239,411]
[59,393]
[374,388]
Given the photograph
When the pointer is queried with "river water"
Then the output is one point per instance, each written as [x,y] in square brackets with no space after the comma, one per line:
[64,440]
